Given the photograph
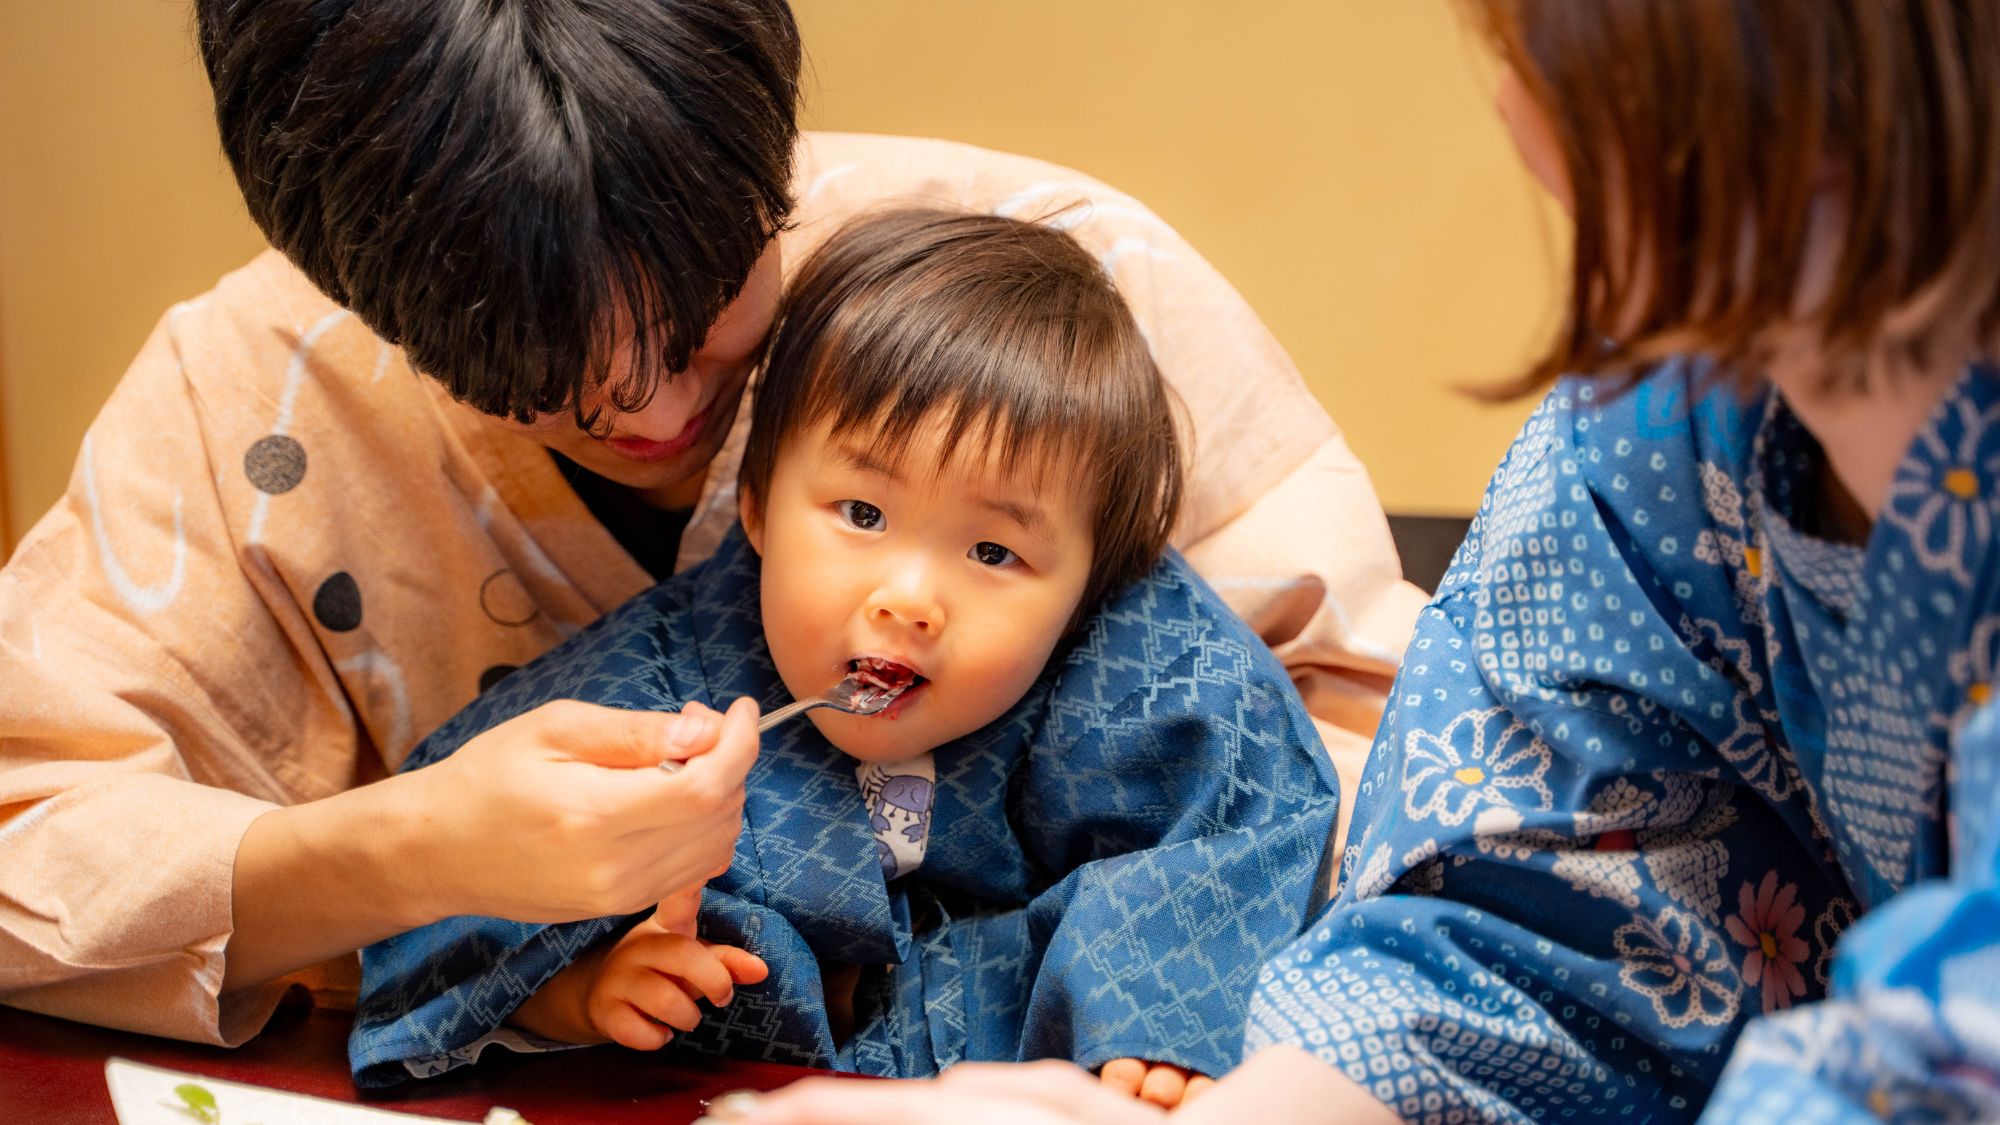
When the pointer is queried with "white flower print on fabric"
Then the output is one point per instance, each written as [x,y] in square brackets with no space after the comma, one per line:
[1945,507]
[1350,861]
[1426,878]
[1753,751]
[1827,928]
[1973,670]
[1384,872]
[1377,877]
[1735,657]
[1502,763]
[1681,966]
[1682,856]
[1623,804]
[1497,832]
[1602,872]
[1722,499]
[1750,745]
[1767,922]
[1620,804]
[1728,544]
[1424,851]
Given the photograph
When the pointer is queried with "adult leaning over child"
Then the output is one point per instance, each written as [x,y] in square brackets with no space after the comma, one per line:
[488,387]
[1689,799]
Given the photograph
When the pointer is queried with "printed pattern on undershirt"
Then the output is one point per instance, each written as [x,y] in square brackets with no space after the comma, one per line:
[898,796]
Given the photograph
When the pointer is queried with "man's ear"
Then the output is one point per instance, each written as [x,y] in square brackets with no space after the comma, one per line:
[752,515]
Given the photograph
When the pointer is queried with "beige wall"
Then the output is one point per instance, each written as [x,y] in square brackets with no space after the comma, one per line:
[1335,158]
[114,203]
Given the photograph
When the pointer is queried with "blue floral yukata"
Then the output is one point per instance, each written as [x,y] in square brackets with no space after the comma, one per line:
[1654,750]
[1101,871]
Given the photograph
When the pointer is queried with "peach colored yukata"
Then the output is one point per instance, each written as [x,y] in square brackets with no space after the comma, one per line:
[284,558]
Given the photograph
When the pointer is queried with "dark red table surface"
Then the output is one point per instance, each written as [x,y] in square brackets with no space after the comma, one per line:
[52,1073]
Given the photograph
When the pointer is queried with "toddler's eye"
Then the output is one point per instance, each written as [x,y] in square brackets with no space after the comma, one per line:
[861,514]
[992,554]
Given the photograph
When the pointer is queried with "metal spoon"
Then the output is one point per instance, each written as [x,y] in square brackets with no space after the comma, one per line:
[852,695]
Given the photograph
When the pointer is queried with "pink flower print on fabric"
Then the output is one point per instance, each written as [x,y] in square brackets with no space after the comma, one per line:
[1767,921]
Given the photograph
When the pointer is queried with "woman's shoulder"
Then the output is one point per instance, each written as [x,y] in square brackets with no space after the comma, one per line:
[1640,468]
[1671,418]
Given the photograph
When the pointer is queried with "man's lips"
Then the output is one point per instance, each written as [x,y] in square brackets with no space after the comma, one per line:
[646,449]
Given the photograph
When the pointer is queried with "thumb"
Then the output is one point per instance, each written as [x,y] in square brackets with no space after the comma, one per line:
[607,736]
[679,911]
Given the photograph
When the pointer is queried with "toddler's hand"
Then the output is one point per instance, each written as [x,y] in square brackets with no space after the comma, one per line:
[1163,1084]
[648,983]
[636,991]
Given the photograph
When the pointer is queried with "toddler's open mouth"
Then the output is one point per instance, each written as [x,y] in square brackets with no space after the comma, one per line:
[896,680]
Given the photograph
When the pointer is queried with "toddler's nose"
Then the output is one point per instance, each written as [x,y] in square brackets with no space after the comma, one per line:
[907,599]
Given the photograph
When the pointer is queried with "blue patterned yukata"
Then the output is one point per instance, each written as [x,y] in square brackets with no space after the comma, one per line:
[1654,749]
[1103,868]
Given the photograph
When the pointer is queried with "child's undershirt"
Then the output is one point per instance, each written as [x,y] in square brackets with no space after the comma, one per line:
[898,797]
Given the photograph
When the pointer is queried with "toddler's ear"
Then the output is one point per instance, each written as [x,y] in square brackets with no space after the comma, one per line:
[752,516]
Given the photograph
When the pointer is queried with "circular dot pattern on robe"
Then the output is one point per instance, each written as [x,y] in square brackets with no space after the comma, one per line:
[505,601]
[494,675]
[338,603]
[275,464]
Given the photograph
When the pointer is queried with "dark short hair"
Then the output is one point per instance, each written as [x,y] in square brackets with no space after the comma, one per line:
[510,189]
[1698,136]
[1007,333]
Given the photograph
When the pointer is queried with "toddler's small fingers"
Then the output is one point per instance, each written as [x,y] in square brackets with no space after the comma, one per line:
[703,972]
[744,967]
[684,959]
[1163,1086]
[629,1027]
[668,1001]
[1123,1075]
[1198,1084]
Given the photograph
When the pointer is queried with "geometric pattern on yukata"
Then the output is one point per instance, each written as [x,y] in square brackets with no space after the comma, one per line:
[1652,749]
[1107,864]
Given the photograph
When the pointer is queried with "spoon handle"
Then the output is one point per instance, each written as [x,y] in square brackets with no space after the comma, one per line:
[789,710]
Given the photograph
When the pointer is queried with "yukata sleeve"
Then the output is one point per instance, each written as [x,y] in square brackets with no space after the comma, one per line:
[433,999]
[1532,917]
[1911,1028]
[1179,790]
[149,685]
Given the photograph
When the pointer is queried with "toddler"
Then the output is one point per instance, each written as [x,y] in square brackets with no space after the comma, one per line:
[1095,803]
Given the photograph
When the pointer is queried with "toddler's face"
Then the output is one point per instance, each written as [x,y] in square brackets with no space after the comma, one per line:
[966,578]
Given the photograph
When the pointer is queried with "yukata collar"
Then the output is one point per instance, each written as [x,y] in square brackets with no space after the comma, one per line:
[1940,517]
[1895,643]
